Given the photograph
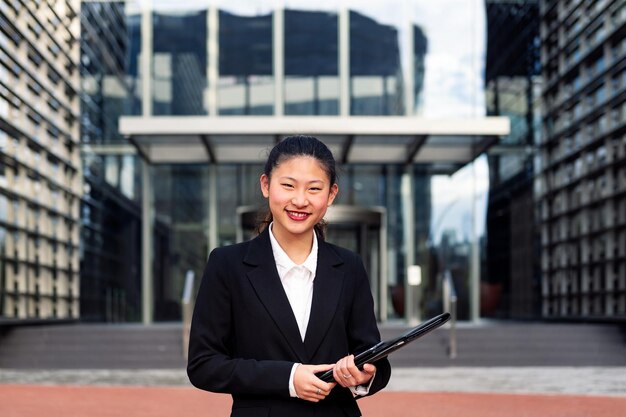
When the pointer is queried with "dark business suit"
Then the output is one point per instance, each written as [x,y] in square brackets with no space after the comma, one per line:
[245,339]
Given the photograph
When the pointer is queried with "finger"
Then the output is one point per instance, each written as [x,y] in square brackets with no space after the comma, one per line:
[343,377]
[318,394]
[339,378]
[351,370]
[323,367]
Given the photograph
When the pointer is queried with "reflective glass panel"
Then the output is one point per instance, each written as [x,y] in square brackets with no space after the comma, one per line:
[181,204]
[311,63]
[246,81]
[375,73]
[179,66]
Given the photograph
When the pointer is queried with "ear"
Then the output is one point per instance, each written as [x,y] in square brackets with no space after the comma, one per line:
[334,189]
[265,185]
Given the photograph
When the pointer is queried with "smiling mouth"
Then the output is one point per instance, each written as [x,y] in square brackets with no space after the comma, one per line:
[296,215]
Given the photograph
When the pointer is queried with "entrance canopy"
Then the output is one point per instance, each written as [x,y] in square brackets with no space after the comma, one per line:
[443,144]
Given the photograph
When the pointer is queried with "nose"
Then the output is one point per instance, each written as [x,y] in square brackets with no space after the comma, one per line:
[299,199]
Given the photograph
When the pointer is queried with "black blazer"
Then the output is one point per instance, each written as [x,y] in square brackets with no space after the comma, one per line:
[244,337]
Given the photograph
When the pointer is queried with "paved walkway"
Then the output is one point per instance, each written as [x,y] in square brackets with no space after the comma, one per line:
[519,380]
[96,401]
[432,392]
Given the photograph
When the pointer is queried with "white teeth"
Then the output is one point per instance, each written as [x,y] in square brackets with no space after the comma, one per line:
[301,215]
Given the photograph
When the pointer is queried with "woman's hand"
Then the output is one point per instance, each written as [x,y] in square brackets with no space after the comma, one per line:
[348,375]
[308,386]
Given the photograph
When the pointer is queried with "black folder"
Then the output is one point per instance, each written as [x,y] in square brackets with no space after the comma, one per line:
[385,348]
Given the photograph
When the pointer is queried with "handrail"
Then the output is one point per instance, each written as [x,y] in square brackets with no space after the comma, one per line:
[449,304]
[187,303]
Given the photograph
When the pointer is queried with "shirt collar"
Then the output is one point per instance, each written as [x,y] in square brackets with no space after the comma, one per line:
[284,261]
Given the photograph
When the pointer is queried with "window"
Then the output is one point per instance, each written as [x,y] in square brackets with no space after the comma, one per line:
[35,57]
[53,76]
[615,84]
[35,28]
[16,211]
[35,87]
[600,95]
[54,49]
[600,65]
[53,104]
[615,117]
[577,83]
[577,110]
[603,123]
[4,207]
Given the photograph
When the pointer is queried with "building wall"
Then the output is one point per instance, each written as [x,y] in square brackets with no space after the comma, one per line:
[40,172]
[581,181]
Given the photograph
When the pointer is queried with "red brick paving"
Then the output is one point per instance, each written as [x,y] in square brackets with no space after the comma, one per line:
[98,401]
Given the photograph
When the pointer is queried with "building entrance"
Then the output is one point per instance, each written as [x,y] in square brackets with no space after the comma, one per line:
[360,229]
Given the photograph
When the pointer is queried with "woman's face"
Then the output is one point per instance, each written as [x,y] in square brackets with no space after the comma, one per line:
[299,192]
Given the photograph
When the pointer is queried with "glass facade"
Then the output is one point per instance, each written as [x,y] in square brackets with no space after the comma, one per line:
[511,282]
[181,207]
[363,60]
[110,208]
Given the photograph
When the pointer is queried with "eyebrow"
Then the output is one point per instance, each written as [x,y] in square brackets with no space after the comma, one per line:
[295,180]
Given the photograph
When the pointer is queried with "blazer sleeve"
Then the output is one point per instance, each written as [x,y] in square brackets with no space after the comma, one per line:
[211,366]
[362,328]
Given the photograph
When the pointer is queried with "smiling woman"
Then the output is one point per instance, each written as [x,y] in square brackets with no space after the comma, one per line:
[273,312]
[300,184]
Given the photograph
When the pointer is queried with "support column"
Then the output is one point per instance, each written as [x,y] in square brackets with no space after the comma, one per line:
[278,40]
[212,60]
[344,62]
[212,232]
[474,258]
[411,291]
[383,280]
[146,60]
[147,296]
[409,74]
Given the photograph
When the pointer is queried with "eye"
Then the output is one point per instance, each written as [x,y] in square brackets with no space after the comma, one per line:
[287,185]
[315,189]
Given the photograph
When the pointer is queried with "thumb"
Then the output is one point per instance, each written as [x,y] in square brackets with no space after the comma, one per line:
[369,368]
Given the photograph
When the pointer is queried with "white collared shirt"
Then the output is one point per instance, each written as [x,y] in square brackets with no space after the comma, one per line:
[297,281]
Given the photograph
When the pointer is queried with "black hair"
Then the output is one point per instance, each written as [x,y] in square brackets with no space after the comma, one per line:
[295,146]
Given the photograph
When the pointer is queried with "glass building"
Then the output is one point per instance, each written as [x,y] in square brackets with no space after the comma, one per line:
[214,87]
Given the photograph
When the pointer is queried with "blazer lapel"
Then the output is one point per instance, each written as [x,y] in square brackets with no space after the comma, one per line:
[266,282]
[326,292]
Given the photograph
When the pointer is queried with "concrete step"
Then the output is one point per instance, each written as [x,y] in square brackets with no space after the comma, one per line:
[518,344]
[93,346]
[134,346]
